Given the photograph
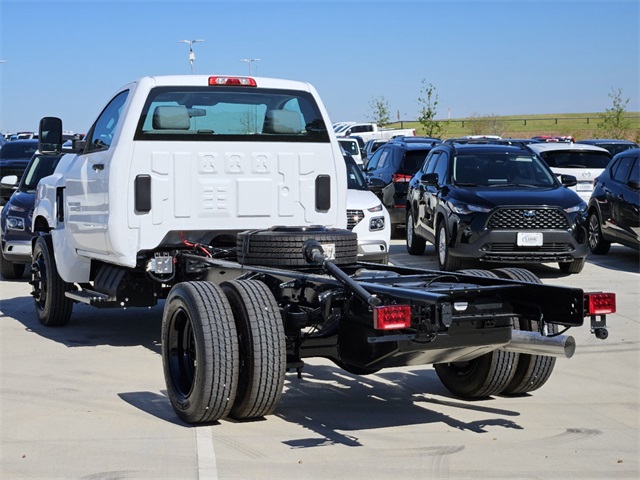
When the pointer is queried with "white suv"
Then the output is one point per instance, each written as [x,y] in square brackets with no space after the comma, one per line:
[367,217]
[585,162]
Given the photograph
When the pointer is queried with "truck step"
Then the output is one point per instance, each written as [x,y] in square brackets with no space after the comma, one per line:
[90,297]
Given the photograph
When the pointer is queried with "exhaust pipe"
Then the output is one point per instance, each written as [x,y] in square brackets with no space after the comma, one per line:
[535,344]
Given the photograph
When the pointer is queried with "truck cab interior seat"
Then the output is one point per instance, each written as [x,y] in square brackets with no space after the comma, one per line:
[282,122]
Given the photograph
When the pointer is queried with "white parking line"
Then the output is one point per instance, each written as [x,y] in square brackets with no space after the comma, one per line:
[207,469]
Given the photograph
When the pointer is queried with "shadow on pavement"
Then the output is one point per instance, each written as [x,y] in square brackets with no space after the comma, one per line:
[328,401]
[90,326]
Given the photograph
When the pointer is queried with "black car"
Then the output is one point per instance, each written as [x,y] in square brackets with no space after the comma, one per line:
[614,146]
[614,210]
[14,157]
[15,220]
[495,203]
[389,171]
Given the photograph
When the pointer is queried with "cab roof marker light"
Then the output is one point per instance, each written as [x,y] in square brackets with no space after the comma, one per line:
[237,81]
[392,317]
[599,303]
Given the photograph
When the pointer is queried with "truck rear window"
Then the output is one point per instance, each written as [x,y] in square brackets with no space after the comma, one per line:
[231,114]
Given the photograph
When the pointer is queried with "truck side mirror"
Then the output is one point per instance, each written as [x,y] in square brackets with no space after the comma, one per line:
[50,135]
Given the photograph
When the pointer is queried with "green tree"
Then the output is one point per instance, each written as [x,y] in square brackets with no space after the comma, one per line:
[614,124]
[428,102]
[380,111]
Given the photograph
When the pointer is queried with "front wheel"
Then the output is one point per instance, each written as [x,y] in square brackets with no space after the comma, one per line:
[597,244]
[445,260]
[52,306]
[415,243]
[199,352]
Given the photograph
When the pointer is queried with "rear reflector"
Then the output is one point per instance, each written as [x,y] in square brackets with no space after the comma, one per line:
[392,317]
[599,303]
[239,81]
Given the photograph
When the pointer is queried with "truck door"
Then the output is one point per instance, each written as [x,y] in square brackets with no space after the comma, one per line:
[87,188]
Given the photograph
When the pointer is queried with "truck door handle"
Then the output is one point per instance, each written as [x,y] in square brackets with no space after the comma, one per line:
[98,167]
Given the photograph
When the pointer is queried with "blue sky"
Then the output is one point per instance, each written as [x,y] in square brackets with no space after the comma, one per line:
[67,57]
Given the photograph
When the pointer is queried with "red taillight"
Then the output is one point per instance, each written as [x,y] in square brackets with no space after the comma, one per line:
[401,177]
[392,317]
[239,81]
[599,303]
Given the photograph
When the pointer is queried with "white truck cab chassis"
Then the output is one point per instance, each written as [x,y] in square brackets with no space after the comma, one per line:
[226,198]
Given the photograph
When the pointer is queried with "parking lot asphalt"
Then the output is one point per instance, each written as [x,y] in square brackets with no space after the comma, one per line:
[88,401]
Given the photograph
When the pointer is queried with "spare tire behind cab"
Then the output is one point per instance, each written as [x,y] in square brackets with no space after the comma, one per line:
[282,246]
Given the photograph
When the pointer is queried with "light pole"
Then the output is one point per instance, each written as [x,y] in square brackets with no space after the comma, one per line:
[250,61]
[192,56]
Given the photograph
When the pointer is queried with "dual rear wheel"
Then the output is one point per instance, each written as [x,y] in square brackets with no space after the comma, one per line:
[499,372]
[223,350]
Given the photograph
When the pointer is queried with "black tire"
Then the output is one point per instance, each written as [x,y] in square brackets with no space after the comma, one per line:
[483,376]
[52,306]
[199,352]
[11,270]
[572,267]
[479,272]
[263,349]
[597,244]
[445,260]
[532,371]
[282,246]
[415,244]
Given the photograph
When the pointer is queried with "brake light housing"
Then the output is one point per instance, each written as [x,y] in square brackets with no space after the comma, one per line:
[236,81]
[599,303]
[401,178]
[392,317]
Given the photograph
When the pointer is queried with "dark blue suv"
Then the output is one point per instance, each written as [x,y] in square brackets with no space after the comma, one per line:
[495,203]
[14,157]
[389,171]
[15,220]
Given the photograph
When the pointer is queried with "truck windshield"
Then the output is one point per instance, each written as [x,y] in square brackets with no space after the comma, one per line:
[231,114]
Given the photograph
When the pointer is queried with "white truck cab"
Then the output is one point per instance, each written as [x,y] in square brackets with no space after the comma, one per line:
[175,159]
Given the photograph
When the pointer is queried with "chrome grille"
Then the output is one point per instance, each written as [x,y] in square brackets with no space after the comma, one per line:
[528,219]
[353,218]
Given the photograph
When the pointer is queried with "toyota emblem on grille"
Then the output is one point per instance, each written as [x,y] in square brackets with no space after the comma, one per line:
[529,213]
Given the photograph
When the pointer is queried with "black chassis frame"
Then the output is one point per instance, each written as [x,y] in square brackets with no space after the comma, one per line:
[328,311]
[455,316]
